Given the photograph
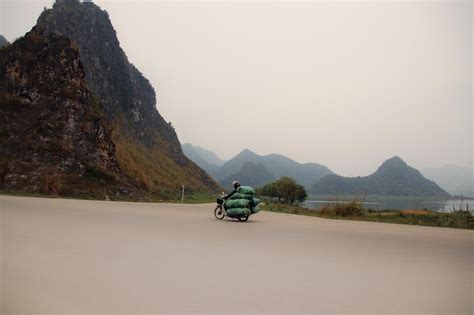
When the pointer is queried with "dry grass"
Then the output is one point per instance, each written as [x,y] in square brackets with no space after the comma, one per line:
[156,171]
[354,211]
[350,209]
[419,212]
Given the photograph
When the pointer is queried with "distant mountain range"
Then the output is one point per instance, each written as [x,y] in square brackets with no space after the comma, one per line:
[253,169]
[252,174]
[393,178]
[206,159]
[275,164]
[456,180]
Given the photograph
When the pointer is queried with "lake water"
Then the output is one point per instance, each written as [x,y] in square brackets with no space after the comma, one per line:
[389,202]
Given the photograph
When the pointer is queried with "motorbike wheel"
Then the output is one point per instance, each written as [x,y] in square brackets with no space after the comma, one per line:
[219,213]
[244,219]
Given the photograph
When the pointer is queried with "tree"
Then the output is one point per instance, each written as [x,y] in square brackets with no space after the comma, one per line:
[285,189]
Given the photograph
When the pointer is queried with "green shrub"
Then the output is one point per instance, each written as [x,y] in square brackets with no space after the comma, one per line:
[95,172]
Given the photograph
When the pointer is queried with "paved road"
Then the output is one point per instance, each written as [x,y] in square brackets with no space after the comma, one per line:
[70,256]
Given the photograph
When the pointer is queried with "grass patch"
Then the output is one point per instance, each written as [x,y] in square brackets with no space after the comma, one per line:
[92,192]
[15,193]
[198,198]
[156,170]
[353,210]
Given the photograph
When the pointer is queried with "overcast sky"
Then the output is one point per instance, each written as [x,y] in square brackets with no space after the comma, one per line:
[345,84]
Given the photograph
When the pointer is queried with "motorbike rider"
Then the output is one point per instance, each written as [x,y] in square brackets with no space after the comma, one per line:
[236,185]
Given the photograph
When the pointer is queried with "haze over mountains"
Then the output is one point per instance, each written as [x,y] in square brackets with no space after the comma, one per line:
[455,179]
[394,177]
[206,159]
[257,170]
[79,119]
[275,164]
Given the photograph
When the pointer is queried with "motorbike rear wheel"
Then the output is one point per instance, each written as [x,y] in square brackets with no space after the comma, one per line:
[244,219]
[219,213]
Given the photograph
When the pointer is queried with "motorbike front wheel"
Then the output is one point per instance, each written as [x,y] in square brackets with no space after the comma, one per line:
[219,213]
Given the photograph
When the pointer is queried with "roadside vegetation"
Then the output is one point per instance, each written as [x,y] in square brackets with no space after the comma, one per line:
[354,210]
[284,190]
[87,193]
[196,198]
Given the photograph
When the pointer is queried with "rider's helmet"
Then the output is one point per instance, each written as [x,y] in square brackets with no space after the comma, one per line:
[236,184]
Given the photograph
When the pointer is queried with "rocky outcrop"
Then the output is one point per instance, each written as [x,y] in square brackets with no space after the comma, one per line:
[73,106]
[52,131]
[148,149]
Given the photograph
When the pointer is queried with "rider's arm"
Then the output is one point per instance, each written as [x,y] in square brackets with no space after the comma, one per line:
[229,194]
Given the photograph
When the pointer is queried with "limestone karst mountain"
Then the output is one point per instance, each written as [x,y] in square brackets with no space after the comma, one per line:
[75,111]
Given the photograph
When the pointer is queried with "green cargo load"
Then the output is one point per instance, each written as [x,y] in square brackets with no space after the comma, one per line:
[241,196]
[242,202]
[245,190]
[255,209]
[237,203]
[238,212]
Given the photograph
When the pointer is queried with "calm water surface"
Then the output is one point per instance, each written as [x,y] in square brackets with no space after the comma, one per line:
[389,202]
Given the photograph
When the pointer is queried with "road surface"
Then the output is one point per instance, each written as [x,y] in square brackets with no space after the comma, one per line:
[71,256]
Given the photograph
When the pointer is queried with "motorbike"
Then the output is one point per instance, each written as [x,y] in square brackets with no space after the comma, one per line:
[220,212]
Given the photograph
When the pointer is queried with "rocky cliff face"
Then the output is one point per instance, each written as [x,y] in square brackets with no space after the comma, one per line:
[52,134]
[143,149]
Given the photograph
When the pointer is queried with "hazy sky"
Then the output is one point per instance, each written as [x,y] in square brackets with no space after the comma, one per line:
[346,84]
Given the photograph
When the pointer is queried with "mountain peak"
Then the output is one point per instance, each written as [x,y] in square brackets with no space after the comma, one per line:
[247,150]
[251,173]
[395,159]
[395,167]
[393,178]
[66,2]
[394,162]
[71,3]
[247,153]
